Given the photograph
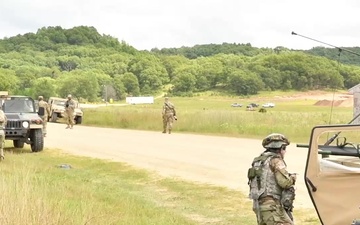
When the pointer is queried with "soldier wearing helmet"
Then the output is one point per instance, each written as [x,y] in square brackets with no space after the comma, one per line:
[168,115]
[268,180]
[69,111]
[44,112]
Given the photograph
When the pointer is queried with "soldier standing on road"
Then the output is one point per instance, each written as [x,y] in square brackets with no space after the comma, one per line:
[3,121]
[168,115]
[44,112]
[69,110]
[269,181]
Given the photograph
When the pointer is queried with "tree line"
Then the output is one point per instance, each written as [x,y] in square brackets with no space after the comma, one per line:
[56,61]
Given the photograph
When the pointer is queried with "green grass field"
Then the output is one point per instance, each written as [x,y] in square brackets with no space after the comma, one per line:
[213,115]
[35,190]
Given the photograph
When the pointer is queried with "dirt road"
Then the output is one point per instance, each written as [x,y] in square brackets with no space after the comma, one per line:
[222,161]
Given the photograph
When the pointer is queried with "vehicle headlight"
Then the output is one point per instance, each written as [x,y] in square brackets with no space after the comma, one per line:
[25,124]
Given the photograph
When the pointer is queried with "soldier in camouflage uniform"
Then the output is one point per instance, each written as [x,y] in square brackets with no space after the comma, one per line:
[3,121]
[268,180]
[69,110]
[44,111]
[168,115]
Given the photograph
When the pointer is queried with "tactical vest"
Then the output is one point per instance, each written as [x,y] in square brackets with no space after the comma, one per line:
[262,180]
[169,108]
[42,108]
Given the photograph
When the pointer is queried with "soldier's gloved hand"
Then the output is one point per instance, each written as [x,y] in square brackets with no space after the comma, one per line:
[293,177]
[175,117]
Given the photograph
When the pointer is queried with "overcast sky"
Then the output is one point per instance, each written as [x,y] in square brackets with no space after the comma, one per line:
[146,24]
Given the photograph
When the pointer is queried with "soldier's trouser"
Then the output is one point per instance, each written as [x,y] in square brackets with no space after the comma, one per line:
[168,120]
[70,118]
[2,141]
[44,118]
[272,213]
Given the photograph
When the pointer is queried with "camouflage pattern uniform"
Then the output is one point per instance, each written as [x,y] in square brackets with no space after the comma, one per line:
[46,110]
[268,178]
[69,110]
[168,115]
[3,121]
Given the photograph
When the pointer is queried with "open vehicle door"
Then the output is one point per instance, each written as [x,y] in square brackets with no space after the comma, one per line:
[333,182]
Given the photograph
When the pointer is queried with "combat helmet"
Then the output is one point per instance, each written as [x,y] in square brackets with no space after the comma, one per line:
[275,140]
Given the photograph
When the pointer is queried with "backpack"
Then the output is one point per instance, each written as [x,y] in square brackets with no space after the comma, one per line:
[255,174]
[41,111]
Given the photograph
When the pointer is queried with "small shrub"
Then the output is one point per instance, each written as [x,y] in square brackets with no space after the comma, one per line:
[262,110]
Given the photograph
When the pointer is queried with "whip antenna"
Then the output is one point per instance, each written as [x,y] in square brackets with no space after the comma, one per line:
[340,49]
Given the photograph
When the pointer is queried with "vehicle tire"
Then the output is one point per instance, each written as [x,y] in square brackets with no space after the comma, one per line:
[37,140]
[18,143]
[53,117]
[78,120]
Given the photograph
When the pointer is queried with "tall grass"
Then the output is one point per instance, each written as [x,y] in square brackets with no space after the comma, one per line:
[36,190]
[213,115]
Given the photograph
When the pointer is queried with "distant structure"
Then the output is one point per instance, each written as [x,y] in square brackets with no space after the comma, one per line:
[140,100]
[355,91]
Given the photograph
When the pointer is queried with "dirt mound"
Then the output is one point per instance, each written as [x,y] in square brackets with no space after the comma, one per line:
[339,103]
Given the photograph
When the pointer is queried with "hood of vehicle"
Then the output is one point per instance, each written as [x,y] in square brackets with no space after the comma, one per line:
[78,112]
[22,116]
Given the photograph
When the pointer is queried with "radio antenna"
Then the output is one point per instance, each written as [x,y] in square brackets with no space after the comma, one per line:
[340,49]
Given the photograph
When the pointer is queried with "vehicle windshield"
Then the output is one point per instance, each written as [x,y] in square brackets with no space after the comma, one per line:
[21,105]
[59,102]
[62,103]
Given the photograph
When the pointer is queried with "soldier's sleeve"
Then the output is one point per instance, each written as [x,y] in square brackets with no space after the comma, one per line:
[48,108]
[72,104]
[281,174]
[3,118]
[174,110]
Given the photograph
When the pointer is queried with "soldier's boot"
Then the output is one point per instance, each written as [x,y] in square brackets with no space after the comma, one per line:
[71,127]
[169,131]
[67,127]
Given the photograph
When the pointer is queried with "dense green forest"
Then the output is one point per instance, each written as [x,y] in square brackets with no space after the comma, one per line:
[56,61]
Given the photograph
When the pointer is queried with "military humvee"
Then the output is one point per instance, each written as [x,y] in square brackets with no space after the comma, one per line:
[332,173]
[57,110]
[23,123]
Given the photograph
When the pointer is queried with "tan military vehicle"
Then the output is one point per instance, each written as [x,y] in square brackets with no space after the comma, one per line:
[57,110]
[23,122]
[332,173]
